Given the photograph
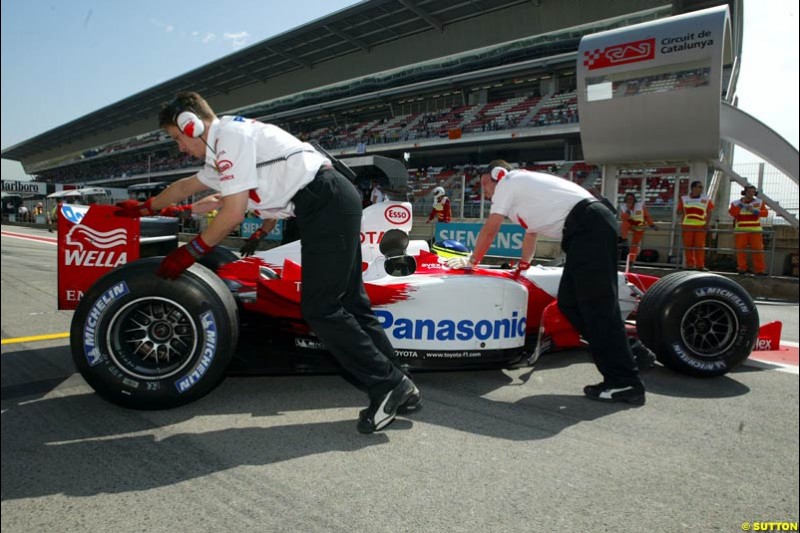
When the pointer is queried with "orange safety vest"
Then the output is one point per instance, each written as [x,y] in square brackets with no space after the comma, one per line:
[695,210]
[749,214]
[636,216]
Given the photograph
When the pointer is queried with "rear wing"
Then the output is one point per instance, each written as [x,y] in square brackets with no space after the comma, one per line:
[92,242]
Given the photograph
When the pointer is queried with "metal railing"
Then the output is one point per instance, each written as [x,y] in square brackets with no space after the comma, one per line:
[718,257]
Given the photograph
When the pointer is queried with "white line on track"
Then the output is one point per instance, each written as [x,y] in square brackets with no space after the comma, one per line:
[769,365]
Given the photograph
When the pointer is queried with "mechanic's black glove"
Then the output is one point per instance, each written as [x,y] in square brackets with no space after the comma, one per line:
[251,244]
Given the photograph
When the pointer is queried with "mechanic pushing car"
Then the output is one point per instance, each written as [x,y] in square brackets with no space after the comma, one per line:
[587,294]
[261,167]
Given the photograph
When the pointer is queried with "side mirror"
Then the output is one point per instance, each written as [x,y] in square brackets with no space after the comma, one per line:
[394,243]
[403,265]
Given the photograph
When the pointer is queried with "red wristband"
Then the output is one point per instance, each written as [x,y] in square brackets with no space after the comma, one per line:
[258,235]
[147,206]
[197,247]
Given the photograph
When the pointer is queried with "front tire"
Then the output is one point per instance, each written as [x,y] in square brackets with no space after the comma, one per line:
[698,324]
[147,343]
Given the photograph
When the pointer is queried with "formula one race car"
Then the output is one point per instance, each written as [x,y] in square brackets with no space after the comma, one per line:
[148,343]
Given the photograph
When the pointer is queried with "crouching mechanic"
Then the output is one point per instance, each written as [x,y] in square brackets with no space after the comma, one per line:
[587,294]
[262,167]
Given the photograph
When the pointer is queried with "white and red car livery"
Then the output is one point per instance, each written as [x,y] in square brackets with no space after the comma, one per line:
[145,342]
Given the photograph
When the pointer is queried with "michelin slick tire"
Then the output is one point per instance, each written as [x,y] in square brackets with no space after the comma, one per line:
[698,324]
[144,342]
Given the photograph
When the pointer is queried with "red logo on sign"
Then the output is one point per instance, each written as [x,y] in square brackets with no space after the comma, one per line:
[620,54]
[397,214]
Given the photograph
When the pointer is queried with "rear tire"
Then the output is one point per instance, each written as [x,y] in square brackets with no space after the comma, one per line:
[698,324]
[147,343]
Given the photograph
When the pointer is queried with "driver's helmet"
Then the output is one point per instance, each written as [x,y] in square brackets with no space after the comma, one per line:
[438,191]
[449,248]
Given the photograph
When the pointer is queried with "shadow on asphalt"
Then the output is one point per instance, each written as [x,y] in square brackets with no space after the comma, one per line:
[33,372]
[661,380]
[117,463]
[665,382]
[76,443]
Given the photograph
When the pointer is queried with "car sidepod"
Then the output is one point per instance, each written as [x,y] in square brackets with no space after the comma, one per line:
[458,321]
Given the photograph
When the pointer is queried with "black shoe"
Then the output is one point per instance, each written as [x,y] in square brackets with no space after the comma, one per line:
[645,359]
[761,274]
[632,394]
[383,409]
[414,404]
[703,269]
[741,272]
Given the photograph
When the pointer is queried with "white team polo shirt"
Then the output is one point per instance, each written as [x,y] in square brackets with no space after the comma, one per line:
[377,196]
[537,201]
[236,145]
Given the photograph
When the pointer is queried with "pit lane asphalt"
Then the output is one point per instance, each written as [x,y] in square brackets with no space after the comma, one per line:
[506,451]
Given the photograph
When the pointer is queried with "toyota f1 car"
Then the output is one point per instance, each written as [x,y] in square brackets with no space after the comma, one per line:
[148,343]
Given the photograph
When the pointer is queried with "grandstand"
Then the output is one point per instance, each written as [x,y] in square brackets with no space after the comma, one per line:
[432,83]
[390,76]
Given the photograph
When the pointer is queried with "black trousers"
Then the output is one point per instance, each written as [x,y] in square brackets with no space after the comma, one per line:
[291,232]
[588,292]
[333,300]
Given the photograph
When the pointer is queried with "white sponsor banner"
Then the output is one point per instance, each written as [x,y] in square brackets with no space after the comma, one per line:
[24,187]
